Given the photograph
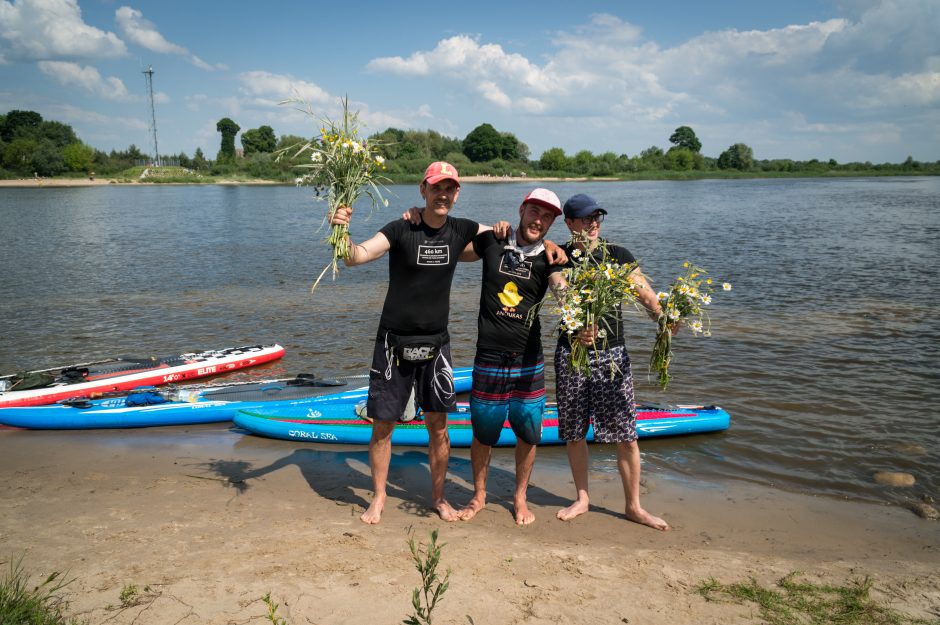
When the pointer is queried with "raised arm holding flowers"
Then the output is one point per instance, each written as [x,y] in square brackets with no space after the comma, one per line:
[342,168]
[412,345]
[685,303]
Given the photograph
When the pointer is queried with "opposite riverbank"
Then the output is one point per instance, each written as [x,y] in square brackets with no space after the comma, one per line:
[205,521]
[415,179]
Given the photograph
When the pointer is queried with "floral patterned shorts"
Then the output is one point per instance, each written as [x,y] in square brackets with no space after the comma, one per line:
[606,402]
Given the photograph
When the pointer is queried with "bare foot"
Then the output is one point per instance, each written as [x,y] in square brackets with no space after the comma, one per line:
[470,510]
[522,513]
[578,508]
[374,514]
[445,511]
[643,517]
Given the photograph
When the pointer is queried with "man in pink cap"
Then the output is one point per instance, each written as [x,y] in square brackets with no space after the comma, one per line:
[509,366]
[412,346]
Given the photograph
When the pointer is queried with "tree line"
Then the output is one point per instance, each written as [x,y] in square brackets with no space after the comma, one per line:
[32,146]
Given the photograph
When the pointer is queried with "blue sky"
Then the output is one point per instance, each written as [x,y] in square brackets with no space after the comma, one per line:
[844,79]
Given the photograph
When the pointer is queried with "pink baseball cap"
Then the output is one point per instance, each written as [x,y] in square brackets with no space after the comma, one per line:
[440,170]
[543,197]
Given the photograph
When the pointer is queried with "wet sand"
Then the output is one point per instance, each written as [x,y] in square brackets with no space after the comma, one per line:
[211,520]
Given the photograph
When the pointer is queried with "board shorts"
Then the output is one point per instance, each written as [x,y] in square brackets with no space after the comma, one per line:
[507,385]
[391,381]
[607,402]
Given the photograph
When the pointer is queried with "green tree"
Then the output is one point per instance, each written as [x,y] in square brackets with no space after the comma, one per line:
[652,157]
[259,140]
[554,159]
[684,137]
[199,161]
[47,159]
[484,143]
[583,162]
[60,134]
[78,156]
[20,124]
[738,156]
[229,129]
[682,159]
[18,155]
[512,149]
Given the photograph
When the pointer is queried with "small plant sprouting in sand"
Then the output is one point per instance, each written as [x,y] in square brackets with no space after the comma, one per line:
[130,596]
[272,611]
[804,602]
[22,602]
[425,598]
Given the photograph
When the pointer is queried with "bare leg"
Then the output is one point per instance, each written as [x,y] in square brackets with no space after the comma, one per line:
[525,459]
[438,457]
[578,459]
[380,455]
[480,460]
[628,462]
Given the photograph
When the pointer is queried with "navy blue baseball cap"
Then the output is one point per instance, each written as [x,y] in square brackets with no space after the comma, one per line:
[581,205]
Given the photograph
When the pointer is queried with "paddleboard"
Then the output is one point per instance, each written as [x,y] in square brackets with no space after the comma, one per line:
[196,404]
[125,373]
[340,423]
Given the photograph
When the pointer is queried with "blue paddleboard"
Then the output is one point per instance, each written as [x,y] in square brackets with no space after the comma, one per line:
[204,405]
[340,423]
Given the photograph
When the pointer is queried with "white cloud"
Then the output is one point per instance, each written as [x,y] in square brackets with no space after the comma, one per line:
[879,60]
[73,114]
[87,77]
[270,88]
[53,29]
[144,33]
[463,59]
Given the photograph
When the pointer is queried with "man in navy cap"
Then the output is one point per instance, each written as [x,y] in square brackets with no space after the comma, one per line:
[600,397]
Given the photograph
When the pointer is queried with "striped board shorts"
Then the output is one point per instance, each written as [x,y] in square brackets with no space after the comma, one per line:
[507,386]
[605,397]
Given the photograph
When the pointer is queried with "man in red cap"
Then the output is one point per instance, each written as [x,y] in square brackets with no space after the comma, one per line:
[509,366]
[412,347]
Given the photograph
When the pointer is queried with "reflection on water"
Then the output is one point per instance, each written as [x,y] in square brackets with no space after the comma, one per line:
[825,353]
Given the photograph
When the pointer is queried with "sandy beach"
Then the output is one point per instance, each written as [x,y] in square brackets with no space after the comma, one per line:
[210,520]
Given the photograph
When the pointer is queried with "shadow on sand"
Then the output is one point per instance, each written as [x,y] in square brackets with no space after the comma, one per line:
[343,476]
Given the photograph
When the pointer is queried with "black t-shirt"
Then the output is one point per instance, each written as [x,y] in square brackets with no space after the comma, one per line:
[611,323]
[421,265]
[507,295]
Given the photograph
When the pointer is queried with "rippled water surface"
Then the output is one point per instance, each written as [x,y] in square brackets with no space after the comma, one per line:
[825,353]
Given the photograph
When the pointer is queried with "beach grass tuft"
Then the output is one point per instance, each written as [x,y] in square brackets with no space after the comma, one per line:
[25,604]
[272,611]
[795,601]
[424,599]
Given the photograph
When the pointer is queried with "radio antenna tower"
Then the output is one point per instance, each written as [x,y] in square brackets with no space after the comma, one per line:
[153,117]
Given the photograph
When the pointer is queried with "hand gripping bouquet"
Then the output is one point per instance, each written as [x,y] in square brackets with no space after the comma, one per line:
[342,167]
[686,304]
[597,287]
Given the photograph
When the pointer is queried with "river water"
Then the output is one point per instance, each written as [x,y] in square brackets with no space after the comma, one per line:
[826,352]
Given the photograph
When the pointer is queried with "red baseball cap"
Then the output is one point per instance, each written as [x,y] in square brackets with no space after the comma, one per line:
[543,197]
[440,170]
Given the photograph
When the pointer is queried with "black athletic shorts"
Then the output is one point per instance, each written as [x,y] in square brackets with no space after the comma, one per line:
[391,380]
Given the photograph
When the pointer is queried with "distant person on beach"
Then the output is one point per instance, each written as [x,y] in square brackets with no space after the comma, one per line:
[509,366]
[603,398]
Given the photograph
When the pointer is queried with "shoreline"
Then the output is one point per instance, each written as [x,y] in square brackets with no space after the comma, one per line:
[211,520]
[102,182]
[85,182]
